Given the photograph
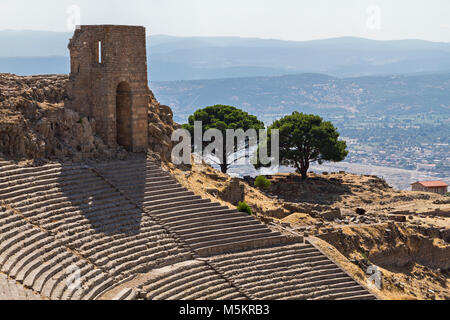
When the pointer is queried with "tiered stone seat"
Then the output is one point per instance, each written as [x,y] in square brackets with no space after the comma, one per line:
[6,165]
[11,290]
[87,214]
[297,271]
[122,219]
[207,227]
[189,281]
[35,258]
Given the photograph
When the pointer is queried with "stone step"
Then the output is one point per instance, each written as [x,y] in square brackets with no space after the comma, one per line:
[18,195]
[10,227]
[295,288]
[233,296]
[63,288]
[232,238]
[173,287]
[204,290]
[128,183]
[343,288]
[31,197]
[156,259]
[76,196]
[360,297]
[10,242]
[226,293]
[13,187]
[149,185]
[100,216]
[101,203]
[285,269]
[63,209]
[82,231]
[174,256]
[21,172]
[173,201]
[17,252]
[130,168]
[199,288]
[91,279]
[59,275]
[139,176]
[129,254]
[103,220]
[256,261]
[310,290]
[198,222]
[163,190]
[47,279]
[209,207]
[233,245]
[95,291]
[187,208]
[41,188]
[333,294]
[142,184]
[264,254]
[206,230]
[136,191]
[15,182]
[39,263]
[124,294]
[309,275]
[32,253]
[7,166]
[225,234]
[176,204]
[206,214]
[129,165]
[174,274]
[103,243]
[167,196]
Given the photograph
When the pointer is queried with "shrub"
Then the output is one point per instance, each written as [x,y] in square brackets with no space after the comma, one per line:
[262,182]
[243,207]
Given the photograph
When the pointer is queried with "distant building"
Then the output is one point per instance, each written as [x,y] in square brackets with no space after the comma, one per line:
[439,187]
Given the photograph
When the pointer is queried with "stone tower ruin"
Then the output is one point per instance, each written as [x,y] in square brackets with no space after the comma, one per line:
[108,82]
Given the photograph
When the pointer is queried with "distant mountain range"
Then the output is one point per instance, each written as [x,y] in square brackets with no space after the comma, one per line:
[190,58]
[272,97]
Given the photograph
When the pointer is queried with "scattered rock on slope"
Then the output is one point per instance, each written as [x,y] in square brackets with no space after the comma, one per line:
[35,125]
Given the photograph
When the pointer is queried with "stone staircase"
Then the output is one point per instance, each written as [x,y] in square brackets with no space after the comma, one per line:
[297,271]
[206,227]
[58,209]
[34,258]
[118,221]
[194,280]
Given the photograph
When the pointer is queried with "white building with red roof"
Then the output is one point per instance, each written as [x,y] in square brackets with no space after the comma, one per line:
[439,187]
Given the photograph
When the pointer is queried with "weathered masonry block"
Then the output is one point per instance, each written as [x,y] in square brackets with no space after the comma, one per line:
[108,82]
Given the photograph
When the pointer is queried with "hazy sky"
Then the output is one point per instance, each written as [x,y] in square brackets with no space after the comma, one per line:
[281,19]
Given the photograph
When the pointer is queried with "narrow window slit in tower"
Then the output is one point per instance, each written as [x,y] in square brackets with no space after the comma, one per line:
[99,52]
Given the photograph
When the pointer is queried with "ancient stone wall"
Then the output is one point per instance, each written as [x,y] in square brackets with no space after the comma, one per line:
[108,82]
